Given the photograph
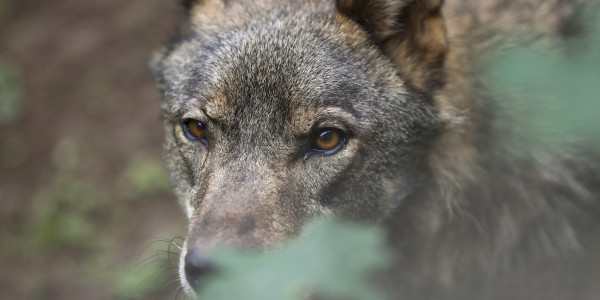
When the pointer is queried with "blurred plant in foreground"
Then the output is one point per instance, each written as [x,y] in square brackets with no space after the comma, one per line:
[553,96]
[333,259]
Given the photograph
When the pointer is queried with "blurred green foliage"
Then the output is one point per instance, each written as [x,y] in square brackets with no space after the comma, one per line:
[63,215]
[139,281]
[11,92]
[333,259]
[143,176]
[69,215]
[553,96]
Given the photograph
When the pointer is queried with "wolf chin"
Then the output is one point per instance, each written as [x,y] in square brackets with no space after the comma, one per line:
[280,111]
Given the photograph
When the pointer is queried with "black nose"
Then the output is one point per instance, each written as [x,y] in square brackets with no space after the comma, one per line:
[197,266]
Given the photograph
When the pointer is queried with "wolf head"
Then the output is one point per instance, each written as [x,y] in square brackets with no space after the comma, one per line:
[277,112]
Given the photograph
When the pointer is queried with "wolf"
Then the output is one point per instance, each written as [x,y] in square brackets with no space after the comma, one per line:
[277,112]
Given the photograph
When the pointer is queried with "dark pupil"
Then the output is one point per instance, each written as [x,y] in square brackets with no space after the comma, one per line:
[326,136]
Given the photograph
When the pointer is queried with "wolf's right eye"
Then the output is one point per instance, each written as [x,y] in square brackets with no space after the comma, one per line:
[194,129]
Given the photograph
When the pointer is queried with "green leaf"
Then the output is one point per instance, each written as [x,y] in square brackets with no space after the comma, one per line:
[332,259]
[554,97]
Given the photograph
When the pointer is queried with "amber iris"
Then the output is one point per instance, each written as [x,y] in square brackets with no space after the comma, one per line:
[328,139]
[196,129]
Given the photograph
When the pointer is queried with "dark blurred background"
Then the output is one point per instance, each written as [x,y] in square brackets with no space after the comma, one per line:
[83,189]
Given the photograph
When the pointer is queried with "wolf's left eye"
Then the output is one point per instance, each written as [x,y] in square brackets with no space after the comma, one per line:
[328,140]
[194,129]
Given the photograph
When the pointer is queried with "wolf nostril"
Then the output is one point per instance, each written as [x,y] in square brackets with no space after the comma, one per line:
[197,266]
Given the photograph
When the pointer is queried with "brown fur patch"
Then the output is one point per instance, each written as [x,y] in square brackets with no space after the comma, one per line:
[217,106]
[302,120]
[354,37]
[411,33]
[208,10]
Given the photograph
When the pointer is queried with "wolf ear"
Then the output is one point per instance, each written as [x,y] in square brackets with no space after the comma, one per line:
[411,32]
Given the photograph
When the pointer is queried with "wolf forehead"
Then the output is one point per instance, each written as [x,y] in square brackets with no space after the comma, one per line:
[279,60]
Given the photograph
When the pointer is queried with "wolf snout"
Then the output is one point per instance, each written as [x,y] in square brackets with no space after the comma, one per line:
[197,266]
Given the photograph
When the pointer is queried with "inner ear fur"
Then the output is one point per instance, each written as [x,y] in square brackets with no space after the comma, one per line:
[411,33]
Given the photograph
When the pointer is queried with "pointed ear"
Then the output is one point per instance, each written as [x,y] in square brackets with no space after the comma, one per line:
[410,32]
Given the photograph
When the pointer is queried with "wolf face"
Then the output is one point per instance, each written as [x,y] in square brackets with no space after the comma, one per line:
[278,114]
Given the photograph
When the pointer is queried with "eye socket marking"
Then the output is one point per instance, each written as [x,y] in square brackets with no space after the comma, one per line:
[194,129]
[328,140]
